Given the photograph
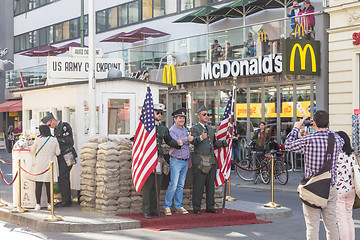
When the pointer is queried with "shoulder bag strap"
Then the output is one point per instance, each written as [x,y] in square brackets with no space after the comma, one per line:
[42,146]
[329,152]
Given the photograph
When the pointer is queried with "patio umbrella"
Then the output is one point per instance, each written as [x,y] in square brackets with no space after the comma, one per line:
[43,51]
[66,47]
[238,8]
[145,32]
[121,37]
[269,4]
[203,15]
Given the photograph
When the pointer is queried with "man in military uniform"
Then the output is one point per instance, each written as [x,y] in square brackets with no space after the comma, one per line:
[204,162]
[64,135]
[149,189]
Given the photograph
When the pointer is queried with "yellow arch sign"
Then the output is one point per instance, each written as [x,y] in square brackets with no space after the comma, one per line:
[302,52]
[169,74]
[262,36]
[300,28]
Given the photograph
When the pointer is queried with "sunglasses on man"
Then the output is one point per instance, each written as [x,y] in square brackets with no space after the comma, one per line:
[158,112]
[206,114]
[49,124]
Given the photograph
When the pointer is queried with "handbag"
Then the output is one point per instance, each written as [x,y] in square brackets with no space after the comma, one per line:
[356,180]
[69,157]
[314,191]
[205,164]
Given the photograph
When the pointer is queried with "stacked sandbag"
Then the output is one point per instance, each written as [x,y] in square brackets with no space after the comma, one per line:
[87,183]
[107,178]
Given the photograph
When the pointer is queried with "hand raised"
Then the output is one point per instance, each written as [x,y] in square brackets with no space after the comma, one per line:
[204,135]
[190,138]
[179,142]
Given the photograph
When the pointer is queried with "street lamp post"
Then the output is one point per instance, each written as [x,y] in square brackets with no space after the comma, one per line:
[92,79]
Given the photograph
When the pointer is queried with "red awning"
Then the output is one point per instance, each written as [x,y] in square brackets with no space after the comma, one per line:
[11,106]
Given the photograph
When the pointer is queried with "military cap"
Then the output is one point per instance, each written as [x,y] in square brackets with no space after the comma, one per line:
[159,107]
[203,108]
[180,112]
[47,118]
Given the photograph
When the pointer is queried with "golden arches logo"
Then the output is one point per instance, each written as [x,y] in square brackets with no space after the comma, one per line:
[169,74]
[300,28]
[302,52]
[262,35]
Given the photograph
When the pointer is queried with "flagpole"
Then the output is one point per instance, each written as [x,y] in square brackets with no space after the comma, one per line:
[156,180]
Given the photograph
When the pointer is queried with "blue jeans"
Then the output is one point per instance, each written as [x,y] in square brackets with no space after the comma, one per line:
[178,170]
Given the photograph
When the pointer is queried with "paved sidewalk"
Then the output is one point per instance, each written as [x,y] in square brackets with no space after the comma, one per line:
[75,219]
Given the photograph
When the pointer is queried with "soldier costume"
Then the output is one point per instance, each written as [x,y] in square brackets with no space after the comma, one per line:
[64,135]
[204,148]
[149,189]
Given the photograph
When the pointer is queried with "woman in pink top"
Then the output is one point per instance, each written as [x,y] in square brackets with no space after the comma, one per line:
[346,190]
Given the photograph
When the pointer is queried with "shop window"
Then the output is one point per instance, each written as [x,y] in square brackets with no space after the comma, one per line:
[119,116]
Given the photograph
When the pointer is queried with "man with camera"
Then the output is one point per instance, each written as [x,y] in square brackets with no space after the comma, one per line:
[294,11]
[314,147]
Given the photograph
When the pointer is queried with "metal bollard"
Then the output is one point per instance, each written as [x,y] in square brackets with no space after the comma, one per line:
[19,209]
[272,204]
[52,218]
[228,197]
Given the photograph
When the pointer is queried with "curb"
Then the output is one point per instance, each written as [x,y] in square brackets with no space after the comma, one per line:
[36,222]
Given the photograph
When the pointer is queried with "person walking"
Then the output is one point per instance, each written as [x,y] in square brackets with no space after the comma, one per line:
[64,136]
[149,189]
[314,147]
[345,189]
[179,163]
[203,162]
[261,136]
[46,149]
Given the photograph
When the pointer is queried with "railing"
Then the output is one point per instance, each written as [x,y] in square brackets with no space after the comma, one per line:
[266,35]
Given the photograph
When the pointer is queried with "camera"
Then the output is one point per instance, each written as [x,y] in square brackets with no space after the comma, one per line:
[296,6]
[308,123]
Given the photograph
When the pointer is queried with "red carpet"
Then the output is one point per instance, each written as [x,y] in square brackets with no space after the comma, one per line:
[187,221]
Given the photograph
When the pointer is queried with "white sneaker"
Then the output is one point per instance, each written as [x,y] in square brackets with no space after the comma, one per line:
[49,207]
[37,207]
[167,211]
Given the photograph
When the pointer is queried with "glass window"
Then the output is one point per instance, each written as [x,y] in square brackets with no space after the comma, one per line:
[113,17]
[119,116]
[255,106]
[159,8]
[58,32]
[35,39]
[186,4]
[133,12]
[66,30]
[43,34]
[146,9]
[199,3]
[74,28]
[50,31]
[101,21]
[17,43]
[170,7]
[123,14]
[28,43]
[86,21]
[22,42]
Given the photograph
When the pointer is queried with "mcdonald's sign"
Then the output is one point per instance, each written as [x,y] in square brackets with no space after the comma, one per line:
[299,28]
[301,57]
[169,74]
[262,35]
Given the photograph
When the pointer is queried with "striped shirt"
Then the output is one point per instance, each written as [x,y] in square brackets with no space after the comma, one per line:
[184,152]
[314,148]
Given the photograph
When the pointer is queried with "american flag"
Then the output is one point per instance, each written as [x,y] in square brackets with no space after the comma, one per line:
[223,155]
[144,155]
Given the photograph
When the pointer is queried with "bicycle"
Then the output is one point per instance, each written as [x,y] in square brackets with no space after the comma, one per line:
[280,168]
[253,166]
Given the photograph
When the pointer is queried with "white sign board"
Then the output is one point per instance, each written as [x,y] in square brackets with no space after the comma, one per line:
[2,141]
[77,68]
[84,52]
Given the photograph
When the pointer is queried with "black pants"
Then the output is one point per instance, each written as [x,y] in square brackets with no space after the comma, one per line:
[200,180]
[64,179]
[149,193]
[38,190]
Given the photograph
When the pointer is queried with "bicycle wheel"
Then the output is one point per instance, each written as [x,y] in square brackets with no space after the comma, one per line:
[281,172]
[265,172]
[243,174]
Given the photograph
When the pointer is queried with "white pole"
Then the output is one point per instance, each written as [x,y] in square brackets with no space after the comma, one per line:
[92,80]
